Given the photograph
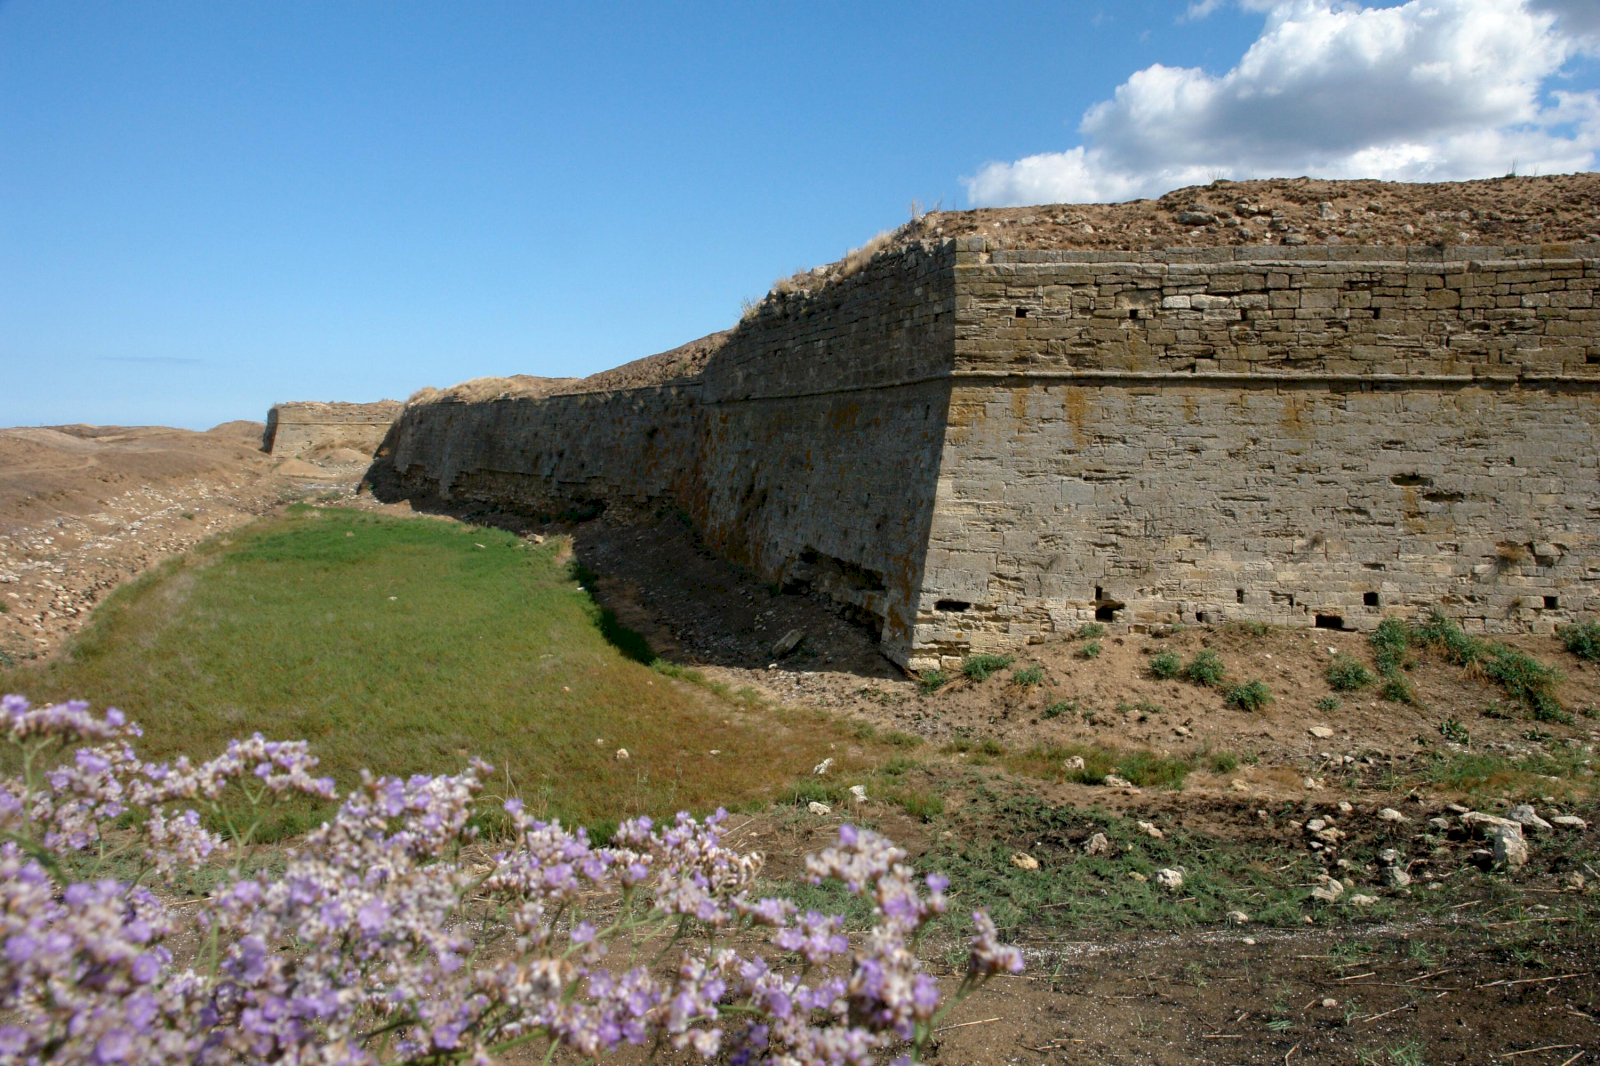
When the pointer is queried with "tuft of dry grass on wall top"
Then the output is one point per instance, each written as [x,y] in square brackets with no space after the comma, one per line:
[493,388]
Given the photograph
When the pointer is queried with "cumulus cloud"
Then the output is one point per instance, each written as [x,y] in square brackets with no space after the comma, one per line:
[1430,90]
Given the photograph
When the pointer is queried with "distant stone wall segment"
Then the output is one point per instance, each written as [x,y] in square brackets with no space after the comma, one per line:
[982,445]
[301,430]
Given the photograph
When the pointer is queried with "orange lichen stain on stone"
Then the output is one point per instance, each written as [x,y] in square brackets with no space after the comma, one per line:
[1191,409]
[1019,404]
[1075,402]
[842,416]
[1293,419]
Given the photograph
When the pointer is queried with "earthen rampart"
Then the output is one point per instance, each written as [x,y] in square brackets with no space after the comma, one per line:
[981,444]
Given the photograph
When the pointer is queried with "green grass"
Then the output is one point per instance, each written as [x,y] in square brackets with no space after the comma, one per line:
[403,646]
[981,667]
[1329,703]
[1078,891]
[1089,631]
[1057,708]
[1090,650]
[932,681]
[1141,767]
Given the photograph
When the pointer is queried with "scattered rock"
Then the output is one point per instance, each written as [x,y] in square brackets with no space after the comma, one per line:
[1023,861]
[1151,831]
[1312,784]
[1360,900]
[1441,824]
[1195,218]
[1569,821]
[1238,918]
[1389,856]
[823,767]
[1097,845]
[1135,875]
[714,751]
[1346,807]
[1525,816]
[1396,876]
[1239,784]
[1510,849]
[1321,732]
[1117,781]
[1575,882]
[819,808]
[1389,814]
[1329,891]
[787,643]
[1170,878]
[1074,763]
[622,754]
[858,793]
[1478,822]
[1330,1004]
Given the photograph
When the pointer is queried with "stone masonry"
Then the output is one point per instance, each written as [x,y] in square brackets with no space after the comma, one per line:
[980,445]
[302,429]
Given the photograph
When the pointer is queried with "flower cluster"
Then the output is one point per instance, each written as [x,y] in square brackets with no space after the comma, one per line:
[382,941]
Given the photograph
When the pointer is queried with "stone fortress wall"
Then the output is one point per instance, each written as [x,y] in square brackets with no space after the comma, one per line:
[298,430]
[980,445]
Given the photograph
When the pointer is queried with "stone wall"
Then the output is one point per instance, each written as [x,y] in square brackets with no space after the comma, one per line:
[1327,436]
[982,445]
[300,430]
[807,448]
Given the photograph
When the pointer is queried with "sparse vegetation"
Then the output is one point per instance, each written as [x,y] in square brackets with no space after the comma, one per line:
[1252,696]
[1090,650]
[981,667]
[1205,669]
[1329,703]
[1582,639]
[1165,666]
[1345,674]
[1452,730]
[1028,676]
[932,681]
[1057,708]
[1090,631]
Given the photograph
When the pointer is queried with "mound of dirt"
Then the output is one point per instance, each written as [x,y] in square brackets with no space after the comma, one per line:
[82,508]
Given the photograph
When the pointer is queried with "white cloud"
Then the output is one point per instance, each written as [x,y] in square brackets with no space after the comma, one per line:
[1431,90]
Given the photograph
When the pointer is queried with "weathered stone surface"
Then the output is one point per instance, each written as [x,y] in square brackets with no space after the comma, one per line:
[301,429]
[980,446]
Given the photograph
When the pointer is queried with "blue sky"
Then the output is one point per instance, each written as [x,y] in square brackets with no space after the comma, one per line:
[209,207]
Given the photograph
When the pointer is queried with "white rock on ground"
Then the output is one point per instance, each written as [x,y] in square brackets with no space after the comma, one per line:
[1074,763]
[1023,861]
[1329,891]
[1321,732]
[1238,918]
[1510,849]
[1151,831]
[819,808]
[1389,814]
[1524,815]
[1360,900]
[823,767]
[1569,821]
[858,793]
[1169,878]
[622,754]
[1097,845]
[1117,781]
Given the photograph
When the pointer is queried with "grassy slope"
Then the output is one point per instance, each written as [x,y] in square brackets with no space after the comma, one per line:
[405,645]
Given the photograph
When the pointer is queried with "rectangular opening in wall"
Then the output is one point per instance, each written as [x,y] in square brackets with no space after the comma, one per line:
[1330,621]
[1238,595]
[1369,599]
[1022,312]
[1552,603]
[1133,313]
[1099,593]
[952,606]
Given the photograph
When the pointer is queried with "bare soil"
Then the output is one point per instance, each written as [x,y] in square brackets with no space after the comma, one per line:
[84,508]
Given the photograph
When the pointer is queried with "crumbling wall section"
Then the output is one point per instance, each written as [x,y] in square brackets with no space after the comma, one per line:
[807,448]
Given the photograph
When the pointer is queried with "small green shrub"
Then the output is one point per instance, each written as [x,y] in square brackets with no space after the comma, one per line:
[1396,689]
[1090,650]
[1058,708]
[1389,644]
[1329,703]
[1443,633]
[1582,639]
[980,667]
[1452,730]
[1529,680]
[1165,667]
[1205,669]
[1149,770]
[1222,762]
[899,765]
[901,739]
[990,746]
[932,681]
[1251,696]
[1028,676]
[1346,675]
[1090,631]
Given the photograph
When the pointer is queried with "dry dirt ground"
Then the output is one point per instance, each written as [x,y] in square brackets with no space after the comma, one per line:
[84,508]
